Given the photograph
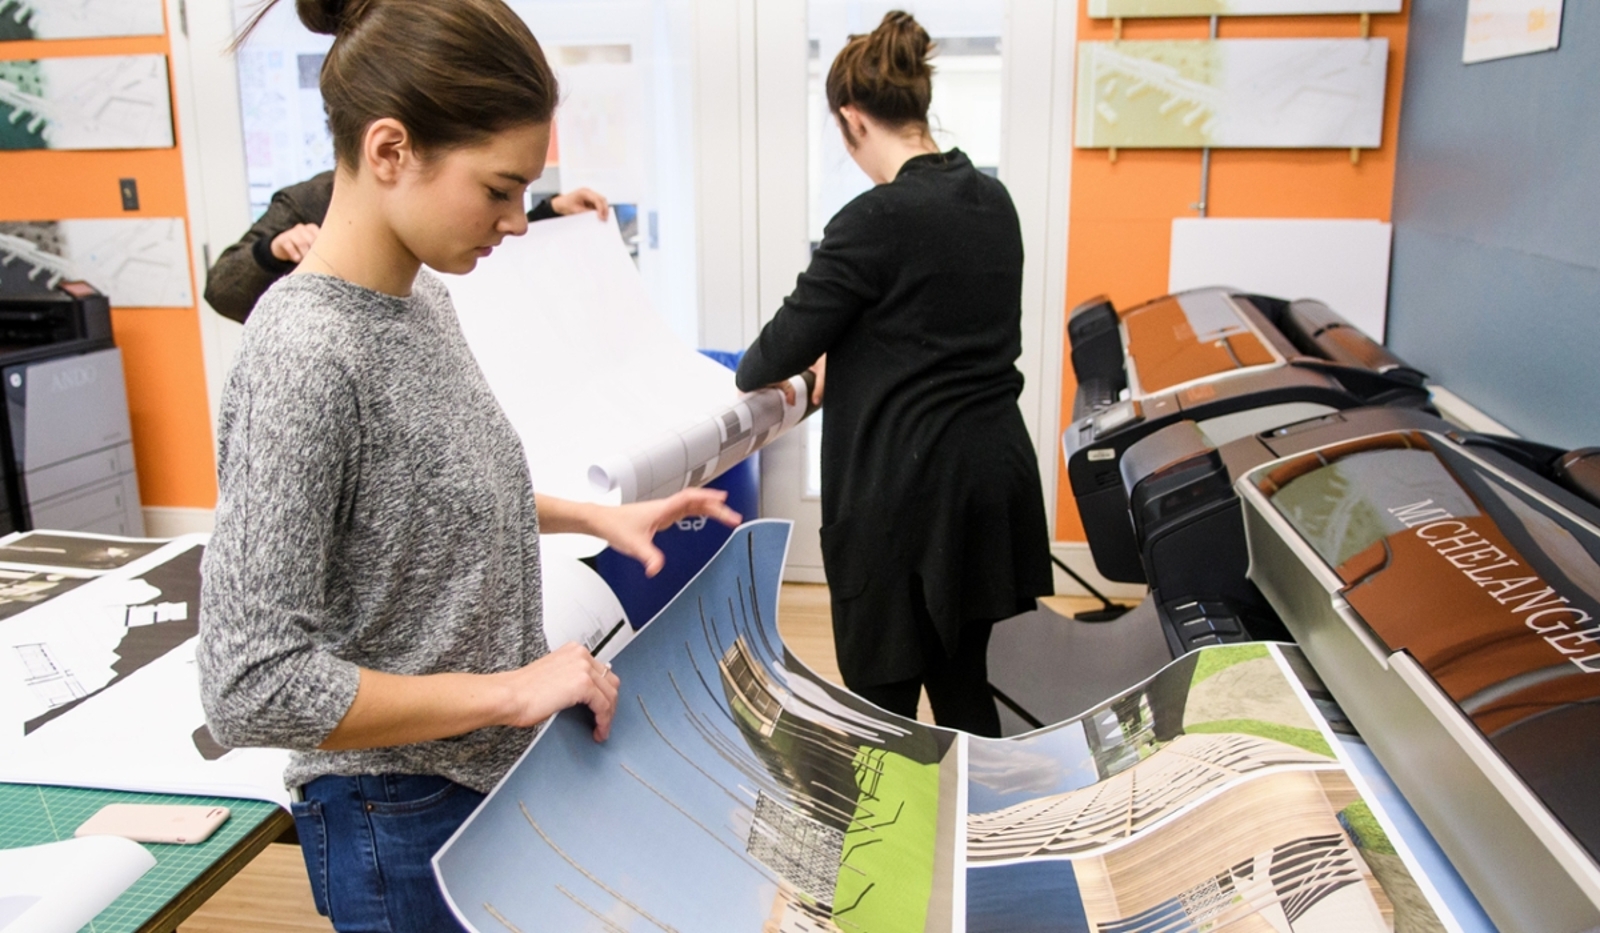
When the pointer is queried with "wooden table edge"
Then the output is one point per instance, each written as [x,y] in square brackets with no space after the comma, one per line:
[197,892]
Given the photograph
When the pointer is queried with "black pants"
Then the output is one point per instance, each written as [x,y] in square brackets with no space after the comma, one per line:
[958,685]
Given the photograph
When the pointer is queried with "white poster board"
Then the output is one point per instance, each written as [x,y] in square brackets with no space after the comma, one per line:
[1343,263]
[1504,28]
[1231,93]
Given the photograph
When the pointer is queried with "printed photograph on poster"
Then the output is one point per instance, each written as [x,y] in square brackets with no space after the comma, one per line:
[792,805]
[1108,9]
[1506,28]
[21,590]
[24,20]
[83,555]
[86,102]
[1231,93]
[136,262]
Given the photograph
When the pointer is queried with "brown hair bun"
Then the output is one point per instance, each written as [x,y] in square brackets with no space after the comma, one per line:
[885,73]
[327,17]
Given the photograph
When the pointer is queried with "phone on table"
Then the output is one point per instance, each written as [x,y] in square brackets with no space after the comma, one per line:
[173,823]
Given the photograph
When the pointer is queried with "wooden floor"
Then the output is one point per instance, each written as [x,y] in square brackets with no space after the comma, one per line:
[272,894]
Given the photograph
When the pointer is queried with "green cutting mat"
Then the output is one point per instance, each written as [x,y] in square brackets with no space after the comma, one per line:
[32,815]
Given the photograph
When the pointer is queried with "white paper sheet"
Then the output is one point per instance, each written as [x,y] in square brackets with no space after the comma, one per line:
[60,886]
[1503,28]
[580,607]
[1343,263]
[578,358]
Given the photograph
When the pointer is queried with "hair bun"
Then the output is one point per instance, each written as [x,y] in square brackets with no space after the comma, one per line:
[329,17]
[900,47]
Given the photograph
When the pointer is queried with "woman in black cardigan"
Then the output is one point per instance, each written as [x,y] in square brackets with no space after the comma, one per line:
[933,518]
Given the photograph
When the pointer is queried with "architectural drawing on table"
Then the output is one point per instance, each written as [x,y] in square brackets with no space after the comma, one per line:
[1108,9]
[1231,93]
[52,683]
[135,262]
[150,628]
[22,20]
[86,102]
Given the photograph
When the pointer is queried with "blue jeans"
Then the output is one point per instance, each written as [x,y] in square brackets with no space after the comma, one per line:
[368,842]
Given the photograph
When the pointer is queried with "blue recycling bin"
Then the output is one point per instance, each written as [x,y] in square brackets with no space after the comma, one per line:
[689,545]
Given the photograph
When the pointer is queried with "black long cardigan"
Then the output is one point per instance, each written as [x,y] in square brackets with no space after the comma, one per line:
[929,480]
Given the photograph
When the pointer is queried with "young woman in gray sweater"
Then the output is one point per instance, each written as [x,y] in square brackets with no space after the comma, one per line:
[371,594]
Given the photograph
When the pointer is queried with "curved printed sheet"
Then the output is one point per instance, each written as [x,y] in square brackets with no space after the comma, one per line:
[739,792]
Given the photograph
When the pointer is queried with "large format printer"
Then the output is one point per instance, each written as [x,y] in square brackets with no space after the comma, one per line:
[1445,586]
[66,444]
[1234,363]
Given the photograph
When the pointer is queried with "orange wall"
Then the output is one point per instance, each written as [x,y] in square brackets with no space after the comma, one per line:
[160,346]
[1120,225]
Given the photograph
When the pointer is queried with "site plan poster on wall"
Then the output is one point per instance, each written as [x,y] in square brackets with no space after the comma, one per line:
[21,20]
[1504,28]
[1232,93]
[1106,9]
[740,792]
[86,102]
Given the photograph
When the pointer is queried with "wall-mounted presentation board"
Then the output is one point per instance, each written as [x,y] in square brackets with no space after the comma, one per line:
[22,20]
[1108,9]
[1232,93]
[86,102]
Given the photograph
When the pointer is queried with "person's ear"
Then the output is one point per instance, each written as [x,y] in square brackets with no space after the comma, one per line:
[386,149]
[854,124]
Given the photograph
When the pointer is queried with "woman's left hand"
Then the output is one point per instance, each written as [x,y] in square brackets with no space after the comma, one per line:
[631,529]
[580,200]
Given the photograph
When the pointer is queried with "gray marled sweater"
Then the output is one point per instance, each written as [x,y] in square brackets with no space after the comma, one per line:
[375,511]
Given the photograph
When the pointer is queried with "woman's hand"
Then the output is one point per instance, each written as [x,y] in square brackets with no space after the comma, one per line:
[819,370]
[292,244]
[631,529]
[580,200]
[566,677]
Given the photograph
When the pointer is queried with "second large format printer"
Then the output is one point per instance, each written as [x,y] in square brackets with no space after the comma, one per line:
[1234,363]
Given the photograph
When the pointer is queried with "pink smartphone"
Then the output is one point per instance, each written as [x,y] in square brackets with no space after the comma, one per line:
[141,822]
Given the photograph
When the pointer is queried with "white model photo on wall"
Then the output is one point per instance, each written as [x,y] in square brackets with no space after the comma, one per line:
[21,20]
[1106,9]
[136,262]
[86,102]
[1232,93]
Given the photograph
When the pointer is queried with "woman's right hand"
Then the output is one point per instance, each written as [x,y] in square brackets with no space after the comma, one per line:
[292,244]
[566,677]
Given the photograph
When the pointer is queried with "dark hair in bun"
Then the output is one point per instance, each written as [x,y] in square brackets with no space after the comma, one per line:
[885,73]
[454,73]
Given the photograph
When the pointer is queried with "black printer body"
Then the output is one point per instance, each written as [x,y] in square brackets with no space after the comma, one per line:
[1234,363]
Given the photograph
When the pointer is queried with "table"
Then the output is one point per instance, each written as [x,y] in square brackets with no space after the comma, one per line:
[183,877]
